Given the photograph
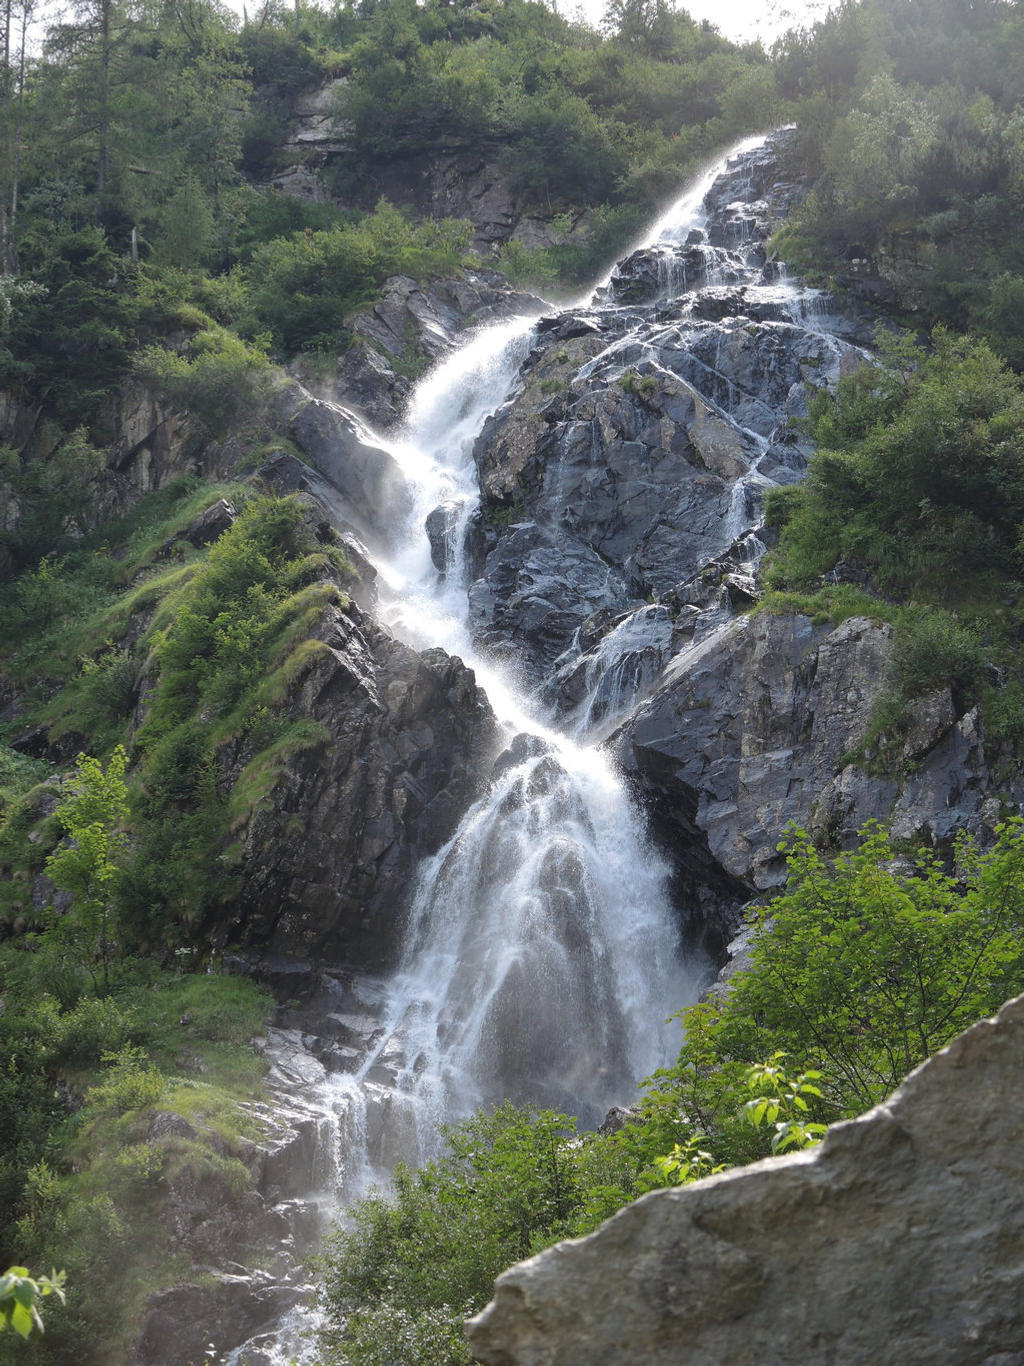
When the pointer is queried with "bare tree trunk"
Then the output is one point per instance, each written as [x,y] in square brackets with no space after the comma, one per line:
[5,229]
[19,125]
[104,120]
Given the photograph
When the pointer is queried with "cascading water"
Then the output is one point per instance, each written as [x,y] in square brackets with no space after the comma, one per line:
[542,953]
[542,957]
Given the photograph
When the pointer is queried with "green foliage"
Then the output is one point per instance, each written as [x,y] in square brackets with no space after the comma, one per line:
[862,968]
[919,474]
[642,386]
[916,142]
[687,1162]
[20,1296]
[413,1263]
[90,865]
[785,1109]
[83,1182]
[919,481]
[302,289]
[219,379]
[52,495]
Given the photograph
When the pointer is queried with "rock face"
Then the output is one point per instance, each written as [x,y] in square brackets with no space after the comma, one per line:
[751,727]
[410,327]
[453,179]
[898,1239]
[648,425]
[407,743]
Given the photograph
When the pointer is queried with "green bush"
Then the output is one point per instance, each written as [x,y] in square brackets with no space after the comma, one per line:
[933,649]
[219,380]
[302,289]
[862,968]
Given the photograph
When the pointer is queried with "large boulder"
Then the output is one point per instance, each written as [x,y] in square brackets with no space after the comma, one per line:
[374,492]
[898,1239]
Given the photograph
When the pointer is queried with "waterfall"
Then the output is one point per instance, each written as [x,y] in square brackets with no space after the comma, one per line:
[542,956]
[542,953]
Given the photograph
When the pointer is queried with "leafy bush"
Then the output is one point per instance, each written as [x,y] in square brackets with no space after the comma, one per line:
[862,968]
[302,289]
[509,1182]
[220,379]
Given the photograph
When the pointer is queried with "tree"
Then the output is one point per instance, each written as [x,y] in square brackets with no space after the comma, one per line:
[91,864]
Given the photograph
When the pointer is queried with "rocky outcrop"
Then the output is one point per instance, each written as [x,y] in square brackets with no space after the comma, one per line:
[369,490]
[405,744]
[753,727]
[456,178]
[897,1239]
[410,327]
[643,435]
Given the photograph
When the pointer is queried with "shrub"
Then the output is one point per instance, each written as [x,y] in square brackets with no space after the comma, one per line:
[862,967]
[219,380]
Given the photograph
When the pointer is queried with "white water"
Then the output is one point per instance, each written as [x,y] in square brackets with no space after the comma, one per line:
[542,955]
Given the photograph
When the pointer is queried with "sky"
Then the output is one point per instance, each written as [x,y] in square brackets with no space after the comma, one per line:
[741,20]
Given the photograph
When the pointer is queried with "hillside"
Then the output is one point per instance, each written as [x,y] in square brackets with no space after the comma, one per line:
[433,680]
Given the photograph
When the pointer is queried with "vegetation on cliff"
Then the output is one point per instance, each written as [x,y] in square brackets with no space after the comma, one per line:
[916,491]
[141,244]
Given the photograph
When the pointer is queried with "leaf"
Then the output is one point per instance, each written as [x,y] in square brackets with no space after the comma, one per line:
[22,1319]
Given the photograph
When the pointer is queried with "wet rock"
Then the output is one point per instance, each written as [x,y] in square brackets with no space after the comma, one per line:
[367,477]
[672,415]
[442,525]
[176,1326]
[408,329]
[537,587]
[888,1242]
[652,272]
[603,675]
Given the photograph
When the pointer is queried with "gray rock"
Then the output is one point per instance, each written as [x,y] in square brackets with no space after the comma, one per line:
[896,1240]
[536,589]
[211,523]
[751,728]
[649,432]
[407,743]
[367,478]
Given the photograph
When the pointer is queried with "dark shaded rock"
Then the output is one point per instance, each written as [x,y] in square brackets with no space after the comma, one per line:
[897,1239]
[211,523]
[407,741]
[537,587]
[442,525]
[653,272]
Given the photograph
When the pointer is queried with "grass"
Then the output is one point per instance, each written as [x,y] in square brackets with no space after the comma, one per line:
[101,1209]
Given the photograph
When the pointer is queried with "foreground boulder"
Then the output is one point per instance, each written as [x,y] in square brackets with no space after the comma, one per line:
[898,1239]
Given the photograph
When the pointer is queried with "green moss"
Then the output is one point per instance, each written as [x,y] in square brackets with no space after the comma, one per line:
[97,1204]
